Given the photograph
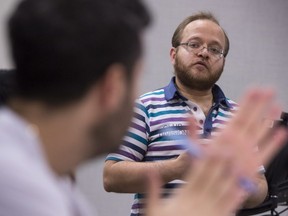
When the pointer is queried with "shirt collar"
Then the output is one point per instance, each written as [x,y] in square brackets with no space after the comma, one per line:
[219,97]
[170,90]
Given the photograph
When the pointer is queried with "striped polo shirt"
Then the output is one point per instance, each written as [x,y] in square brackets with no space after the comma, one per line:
[160,119]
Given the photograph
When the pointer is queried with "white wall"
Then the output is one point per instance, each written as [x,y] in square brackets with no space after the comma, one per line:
[258,32]
[5,8]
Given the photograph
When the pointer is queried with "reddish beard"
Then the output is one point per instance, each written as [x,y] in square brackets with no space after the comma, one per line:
[197,80]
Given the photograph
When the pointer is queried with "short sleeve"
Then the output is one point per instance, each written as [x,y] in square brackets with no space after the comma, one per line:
[134,144]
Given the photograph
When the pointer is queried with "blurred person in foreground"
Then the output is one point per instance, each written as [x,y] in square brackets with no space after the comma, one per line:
[77,65]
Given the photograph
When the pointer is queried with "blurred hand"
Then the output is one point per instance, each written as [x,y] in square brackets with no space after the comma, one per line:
[184,164]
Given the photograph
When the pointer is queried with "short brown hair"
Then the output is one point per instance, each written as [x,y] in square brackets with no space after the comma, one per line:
[198,16]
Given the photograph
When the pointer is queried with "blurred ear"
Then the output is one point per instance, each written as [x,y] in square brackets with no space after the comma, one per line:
[173,52]
[113,87]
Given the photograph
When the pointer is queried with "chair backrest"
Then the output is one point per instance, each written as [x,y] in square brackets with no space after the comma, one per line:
[277,170]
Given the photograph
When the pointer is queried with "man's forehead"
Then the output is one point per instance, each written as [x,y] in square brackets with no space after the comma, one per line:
[204,28]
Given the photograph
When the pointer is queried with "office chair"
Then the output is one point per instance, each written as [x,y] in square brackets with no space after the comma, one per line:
[277,179]
[6,84]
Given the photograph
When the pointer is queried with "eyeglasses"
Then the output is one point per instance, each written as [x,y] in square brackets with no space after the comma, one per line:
[197,47]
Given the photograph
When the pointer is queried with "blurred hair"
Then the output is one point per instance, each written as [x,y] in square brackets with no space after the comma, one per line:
[6,84]
[176,39]
[62,47]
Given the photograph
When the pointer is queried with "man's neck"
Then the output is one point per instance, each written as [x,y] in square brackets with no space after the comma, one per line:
[203,98]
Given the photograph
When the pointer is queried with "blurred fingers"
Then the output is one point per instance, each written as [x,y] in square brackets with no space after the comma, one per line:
[154,190]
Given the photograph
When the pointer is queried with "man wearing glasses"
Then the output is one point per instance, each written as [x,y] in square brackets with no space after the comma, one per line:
[199,48]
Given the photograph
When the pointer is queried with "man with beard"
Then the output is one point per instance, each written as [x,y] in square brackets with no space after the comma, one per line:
[199,48]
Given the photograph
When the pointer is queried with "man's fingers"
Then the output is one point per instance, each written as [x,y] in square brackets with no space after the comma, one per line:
[245,106]
[264,128]
[231,201]
[192,127]
[154,191]
[260,105]
[214,181]
[218,168]
[207,172]
[253,105]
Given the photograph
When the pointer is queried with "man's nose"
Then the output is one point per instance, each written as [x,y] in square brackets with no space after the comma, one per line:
[203,52]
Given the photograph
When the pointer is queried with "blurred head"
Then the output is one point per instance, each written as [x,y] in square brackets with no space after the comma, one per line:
[199,48]
[80,53]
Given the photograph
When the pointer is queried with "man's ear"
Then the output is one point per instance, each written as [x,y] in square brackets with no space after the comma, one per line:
[173,55]
[113,87]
